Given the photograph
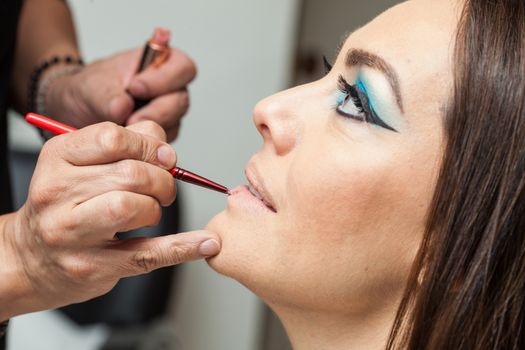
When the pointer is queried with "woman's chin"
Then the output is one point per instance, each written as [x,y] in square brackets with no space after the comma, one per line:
[238,256]
[223,262]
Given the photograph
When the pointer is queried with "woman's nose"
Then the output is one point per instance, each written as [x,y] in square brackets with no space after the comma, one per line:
[275,121]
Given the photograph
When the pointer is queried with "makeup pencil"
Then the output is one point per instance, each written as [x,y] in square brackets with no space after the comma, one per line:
[155,53]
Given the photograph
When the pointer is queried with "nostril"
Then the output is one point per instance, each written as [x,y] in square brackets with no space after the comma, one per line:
[265,131]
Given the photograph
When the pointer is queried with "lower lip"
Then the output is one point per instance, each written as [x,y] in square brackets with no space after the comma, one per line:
[242,195]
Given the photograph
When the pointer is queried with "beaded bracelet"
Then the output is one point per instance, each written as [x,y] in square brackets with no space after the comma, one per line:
[3,328]
[34,79]
[41,91]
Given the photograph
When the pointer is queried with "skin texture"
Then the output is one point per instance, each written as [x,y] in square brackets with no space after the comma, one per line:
[351,197]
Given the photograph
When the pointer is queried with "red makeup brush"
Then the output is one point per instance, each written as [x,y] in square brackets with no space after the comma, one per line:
[178,173]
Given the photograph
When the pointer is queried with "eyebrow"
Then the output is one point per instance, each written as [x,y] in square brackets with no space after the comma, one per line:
[358,57]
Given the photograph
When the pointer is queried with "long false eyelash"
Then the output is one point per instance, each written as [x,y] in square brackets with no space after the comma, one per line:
[327,65]
[352,92]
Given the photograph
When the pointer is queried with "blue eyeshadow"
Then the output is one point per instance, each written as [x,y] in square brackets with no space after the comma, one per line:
[361,86]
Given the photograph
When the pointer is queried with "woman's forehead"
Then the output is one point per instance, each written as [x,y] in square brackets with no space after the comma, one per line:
[422,31]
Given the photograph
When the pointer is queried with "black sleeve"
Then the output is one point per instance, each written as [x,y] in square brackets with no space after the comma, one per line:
[3,330]
[2,342]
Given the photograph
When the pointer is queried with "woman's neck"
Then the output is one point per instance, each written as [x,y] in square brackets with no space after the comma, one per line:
[330,331]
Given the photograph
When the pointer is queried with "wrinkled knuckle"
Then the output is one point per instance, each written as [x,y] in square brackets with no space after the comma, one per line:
[45,193]
[145,261]
[55,232]
[118,207]
[180,254]
[150,153]
[111,138]
[69,224]
[40,198]
[78,269]
[52,237]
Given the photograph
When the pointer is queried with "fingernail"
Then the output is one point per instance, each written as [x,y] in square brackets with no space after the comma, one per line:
[137,88]
[209,248]
[166,156]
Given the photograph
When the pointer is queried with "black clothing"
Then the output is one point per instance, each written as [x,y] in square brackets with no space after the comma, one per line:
[9,12]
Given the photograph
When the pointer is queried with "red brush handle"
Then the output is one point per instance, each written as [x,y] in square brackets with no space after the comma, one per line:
[47,124]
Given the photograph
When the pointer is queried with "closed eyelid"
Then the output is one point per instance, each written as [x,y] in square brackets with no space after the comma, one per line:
[357,57]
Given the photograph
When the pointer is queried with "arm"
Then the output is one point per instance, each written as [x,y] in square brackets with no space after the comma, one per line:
[45,29]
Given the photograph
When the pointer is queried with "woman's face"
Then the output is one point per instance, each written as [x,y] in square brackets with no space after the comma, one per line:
[348,168]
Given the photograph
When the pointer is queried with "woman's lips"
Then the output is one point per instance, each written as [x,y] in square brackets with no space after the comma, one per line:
[255,194]
[257,187]
[245,192]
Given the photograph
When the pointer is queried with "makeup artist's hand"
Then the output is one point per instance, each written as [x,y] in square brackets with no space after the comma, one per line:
[88,185]
[103,90]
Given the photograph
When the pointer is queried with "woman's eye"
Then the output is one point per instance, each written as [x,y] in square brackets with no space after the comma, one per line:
[353,103]
[351,107]
[349,101]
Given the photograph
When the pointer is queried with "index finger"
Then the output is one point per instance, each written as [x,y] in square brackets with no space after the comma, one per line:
[108,142]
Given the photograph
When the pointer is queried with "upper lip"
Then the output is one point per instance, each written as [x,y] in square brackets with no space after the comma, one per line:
[257,183]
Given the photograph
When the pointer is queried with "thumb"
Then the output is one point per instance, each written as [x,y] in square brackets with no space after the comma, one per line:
[174,74]
[108,103]
[135,256]
[119,108]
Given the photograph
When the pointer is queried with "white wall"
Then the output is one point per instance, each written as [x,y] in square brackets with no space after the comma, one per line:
[243,50]
[326,22]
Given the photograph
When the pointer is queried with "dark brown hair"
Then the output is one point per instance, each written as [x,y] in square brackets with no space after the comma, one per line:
[467,287]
